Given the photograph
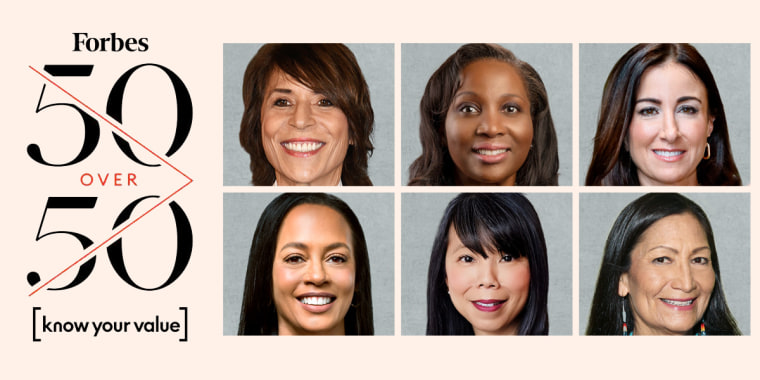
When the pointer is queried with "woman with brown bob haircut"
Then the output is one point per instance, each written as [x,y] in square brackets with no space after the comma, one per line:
[612,162]
[327,71]
[435,165]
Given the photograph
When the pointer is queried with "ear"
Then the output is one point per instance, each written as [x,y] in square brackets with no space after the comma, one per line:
[623,285]
[710,125]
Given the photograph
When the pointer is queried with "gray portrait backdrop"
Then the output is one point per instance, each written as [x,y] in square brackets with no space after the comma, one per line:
[420,216]
[553,62]
[729,216]
[729,64]
[376,62]
[375,213]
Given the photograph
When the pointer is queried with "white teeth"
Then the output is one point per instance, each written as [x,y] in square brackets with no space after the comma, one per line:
[678,303]
[316,301]
[486,304]
[303,147]
[488,152]
[667,153]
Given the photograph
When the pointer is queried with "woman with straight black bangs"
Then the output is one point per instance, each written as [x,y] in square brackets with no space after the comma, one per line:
[462,146]
[286,292]
[488,272]
[633,145]
[642,287]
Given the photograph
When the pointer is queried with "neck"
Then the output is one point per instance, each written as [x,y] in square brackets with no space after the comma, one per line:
[331,179]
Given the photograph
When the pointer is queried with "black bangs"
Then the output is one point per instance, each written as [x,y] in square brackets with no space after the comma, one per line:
[484,223]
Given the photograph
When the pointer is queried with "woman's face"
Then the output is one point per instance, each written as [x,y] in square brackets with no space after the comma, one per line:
[670,125]
[671,277]
[305,135]
[489,292]
[488,125]
[314,271]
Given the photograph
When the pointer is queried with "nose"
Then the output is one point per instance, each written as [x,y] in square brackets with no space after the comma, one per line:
[491,124]
[302,116]
[669,131]
[315,273]
[488,277]
[682,278]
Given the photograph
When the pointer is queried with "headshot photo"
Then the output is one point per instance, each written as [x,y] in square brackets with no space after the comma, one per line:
[486,264]
[308,264]
[660,114]
[486,114]
[308,114]
[664,264]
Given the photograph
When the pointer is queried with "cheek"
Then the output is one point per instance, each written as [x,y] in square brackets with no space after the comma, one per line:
[458,279]
[706,281]
[345,279]
[284,281]
[645,282]
[516,279]
[337,123]
[524,134]
[638,136]
[455,135]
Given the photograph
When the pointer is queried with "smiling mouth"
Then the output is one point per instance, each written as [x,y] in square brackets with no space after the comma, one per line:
[668,153]
[491,152]
[489,303]
[303,147]
[678,303]
[316,301]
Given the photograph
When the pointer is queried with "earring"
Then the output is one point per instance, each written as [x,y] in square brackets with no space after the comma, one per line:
[625,325]
[701,329]
[707,155]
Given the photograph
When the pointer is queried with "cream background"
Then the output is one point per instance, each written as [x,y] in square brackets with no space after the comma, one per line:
[189,40]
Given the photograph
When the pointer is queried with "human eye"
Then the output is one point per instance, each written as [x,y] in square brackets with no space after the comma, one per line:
[661,260]
[648,111]
[701,260]
[688,109]
[281,102]
[337,259]
[466,259]
[512,108]
[507,257]
[324,102]
[294,259]
[468,108]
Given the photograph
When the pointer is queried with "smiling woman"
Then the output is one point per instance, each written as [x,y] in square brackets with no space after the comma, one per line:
[485,120]
[660,273]
[662,122]
[308,270]
[488,272]
[308,118]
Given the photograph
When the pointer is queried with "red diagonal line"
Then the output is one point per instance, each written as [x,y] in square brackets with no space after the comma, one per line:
[190,180]
[109,122]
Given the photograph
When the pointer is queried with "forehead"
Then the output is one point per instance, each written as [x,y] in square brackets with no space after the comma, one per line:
[279,79]
[672,76]
[314,223]
[679,230]
[491,73]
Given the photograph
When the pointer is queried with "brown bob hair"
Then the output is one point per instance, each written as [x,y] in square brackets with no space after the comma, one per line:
[328,69]
[435,167]
[611,163]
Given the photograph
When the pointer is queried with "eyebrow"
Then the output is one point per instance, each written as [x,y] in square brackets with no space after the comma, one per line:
[281,90]
[471,93]
[302,246]
[695,250]
[658,101]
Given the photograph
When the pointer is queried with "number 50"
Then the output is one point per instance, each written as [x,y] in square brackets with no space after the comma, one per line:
[115,251]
